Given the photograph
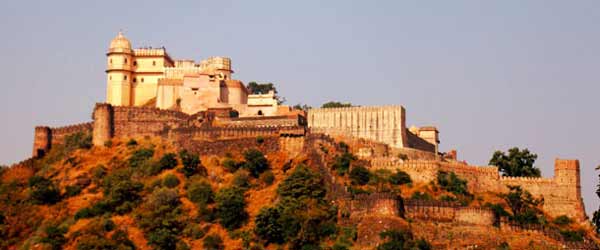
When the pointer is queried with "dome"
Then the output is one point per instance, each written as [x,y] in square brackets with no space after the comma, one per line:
[120,42]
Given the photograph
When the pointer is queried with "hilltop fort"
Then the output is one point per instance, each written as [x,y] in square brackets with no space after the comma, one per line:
[199,107]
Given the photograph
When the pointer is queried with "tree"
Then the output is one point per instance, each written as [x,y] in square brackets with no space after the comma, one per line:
[268,226]
[43,191]
[596,217]
[400,178]
[302,183]
[191,164]
[334,104]
[264,88]
[360,175]
[300,106]
[523,206]
[230,208]
[255,163]
[401,239]
[516,163]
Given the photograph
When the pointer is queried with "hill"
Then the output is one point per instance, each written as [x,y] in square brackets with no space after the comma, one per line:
[152,193]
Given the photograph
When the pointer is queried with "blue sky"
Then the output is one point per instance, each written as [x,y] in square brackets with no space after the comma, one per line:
[489,75]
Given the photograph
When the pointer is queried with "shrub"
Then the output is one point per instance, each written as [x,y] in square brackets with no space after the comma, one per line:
[421,196]
[140,156]
[255,162]
[230,165]
[171,181]
[200,192]
[230,208]
[167,161]
[401,239]
[43,191]
[570,235]
[523,206]
[241,179]
[562,220]
[268,227]
[72,190]
[342,162]
[54,236]
[302,183]
[360,175]
[131,143]
[400,178]
[162,238]
[267,177]
[452,183]
[78,140]
[260,139]
[191,164]
[213,242]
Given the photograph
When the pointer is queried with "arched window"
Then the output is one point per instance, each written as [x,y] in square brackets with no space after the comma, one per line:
[142,79]
[125,60]
[134,63]
[134,79]
[109,77]
[153,63]
[124,77]
[260,112]
[110,61]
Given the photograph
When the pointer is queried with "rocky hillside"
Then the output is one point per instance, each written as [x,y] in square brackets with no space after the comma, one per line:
[144,193]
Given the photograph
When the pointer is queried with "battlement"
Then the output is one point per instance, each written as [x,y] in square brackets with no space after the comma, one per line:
[526,179]
[151,52]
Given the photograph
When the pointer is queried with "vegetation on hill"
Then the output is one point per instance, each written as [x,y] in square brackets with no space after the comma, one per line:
[516,163]
[264,88]
[148,194]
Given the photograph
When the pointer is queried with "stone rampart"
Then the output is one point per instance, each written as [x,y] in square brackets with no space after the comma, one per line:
[561,194]
[383,124]
[271,121]
[413,141]
[45,137]
[384,204]
[447,212]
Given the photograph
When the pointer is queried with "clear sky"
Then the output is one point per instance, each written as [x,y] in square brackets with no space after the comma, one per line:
[489,75]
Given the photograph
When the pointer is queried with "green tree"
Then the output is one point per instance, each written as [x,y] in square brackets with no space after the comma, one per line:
[334,104]
[191,164]
[400,178]
[516,163]
[230,208]
[523,206]
[268,226]
[400,240]
[264,88]
[596,216]
[360,175]
[200,192]
[255,162]
[43,191]
[452,183]
[302,183]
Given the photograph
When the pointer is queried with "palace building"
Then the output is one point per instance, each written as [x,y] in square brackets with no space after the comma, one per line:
[149,77]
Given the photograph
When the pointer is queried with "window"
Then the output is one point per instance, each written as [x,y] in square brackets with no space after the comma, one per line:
[110,61]
[142,79]
[153,63]
[260,112]
[109,77]
[134,79]
[124,77]
[134,63]
[125,60]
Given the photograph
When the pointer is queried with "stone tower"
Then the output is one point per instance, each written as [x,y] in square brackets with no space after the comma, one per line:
[119,71]
[42,141]
[103,124]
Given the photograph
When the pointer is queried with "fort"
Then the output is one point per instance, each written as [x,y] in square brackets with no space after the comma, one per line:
[200,108]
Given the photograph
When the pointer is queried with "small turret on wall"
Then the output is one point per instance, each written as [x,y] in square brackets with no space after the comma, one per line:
[103,124]
[42,141]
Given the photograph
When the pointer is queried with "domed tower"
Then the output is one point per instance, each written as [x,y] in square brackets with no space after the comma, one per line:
[119,71]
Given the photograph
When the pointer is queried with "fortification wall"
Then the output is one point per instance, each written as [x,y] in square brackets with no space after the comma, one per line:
[141,121]
[413,141]
[223,146]
[384,204]
[561,194]
[447,212]
[383,124]
[44,137]
[59,133]
[277,121]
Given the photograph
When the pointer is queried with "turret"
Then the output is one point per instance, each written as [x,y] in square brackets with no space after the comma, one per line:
[119,71]
[42,141]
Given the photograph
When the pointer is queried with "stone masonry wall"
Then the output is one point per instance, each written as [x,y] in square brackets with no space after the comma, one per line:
[562,194]
[382,124]
[45,137]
